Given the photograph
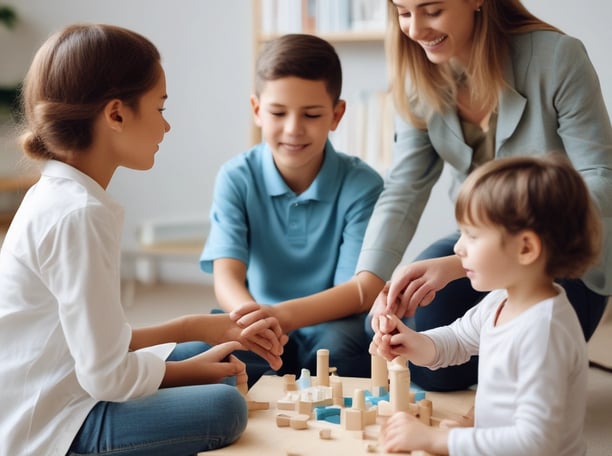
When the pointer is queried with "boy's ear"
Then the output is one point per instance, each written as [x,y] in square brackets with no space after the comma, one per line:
[255,106]
[113,114]
[339,110]
[530,247]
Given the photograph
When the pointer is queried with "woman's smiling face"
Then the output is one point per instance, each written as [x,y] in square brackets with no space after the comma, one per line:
[443,28]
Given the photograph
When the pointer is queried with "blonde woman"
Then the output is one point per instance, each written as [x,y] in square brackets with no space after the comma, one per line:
[472,81]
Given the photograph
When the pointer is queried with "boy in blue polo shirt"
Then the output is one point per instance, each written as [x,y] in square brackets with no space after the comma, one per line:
[289,215]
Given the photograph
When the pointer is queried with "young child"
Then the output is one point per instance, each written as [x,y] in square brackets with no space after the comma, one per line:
[288,215]
[73,378]
[524,221]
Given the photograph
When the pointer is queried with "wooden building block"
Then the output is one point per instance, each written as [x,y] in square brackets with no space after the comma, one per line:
[323,367]
[304,408]
[380,376]
[299,422]
[257,405]
[359,400]
[282,420]
[384,408]
[351,419]
[285,404]
[425,411]
[325,434]
[369,416]
[289,383]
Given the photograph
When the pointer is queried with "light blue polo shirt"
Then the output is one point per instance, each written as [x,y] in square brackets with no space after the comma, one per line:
[293,245]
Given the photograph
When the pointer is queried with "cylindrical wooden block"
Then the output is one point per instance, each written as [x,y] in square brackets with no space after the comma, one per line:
[380,374]
[323,367]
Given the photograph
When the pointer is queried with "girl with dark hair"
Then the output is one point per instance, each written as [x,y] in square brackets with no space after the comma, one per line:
[75,378]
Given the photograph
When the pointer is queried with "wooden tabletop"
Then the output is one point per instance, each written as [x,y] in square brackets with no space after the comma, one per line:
[263,437]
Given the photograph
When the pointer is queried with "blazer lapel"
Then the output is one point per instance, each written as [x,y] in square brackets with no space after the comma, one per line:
[510,110]
[447,138]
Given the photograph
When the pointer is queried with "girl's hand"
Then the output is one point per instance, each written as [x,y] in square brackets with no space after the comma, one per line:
[208,367]
[218,362]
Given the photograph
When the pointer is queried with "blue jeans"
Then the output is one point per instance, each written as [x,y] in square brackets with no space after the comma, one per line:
[345,338]
[174,421]
[458,297]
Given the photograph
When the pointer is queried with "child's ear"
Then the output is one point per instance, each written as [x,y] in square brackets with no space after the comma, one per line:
[255,106]
[113,114]
[339,110]
[530,247]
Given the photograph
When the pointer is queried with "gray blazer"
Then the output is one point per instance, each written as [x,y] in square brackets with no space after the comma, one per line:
[553,102]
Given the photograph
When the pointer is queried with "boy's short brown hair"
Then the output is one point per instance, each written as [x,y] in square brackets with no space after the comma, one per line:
[302,56]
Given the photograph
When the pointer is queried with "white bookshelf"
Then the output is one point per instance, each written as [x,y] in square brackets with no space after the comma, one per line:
[345,18]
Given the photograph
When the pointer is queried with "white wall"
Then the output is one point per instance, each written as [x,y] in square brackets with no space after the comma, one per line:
[207,52]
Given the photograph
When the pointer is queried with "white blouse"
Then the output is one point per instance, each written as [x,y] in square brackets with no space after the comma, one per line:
[64,337]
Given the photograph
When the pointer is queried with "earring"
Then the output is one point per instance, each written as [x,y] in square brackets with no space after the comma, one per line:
[478,9]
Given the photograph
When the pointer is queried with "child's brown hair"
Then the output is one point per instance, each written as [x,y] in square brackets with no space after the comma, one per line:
[544,194]
[302,56]
[73,75]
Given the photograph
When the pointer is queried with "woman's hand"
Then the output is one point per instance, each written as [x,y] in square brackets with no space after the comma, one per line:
[261,332]
[415,284]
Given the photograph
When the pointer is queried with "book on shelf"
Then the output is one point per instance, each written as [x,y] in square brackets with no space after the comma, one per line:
[366,130]
[321,16]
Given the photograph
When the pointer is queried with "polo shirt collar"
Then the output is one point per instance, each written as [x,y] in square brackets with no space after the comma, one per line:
[321,189]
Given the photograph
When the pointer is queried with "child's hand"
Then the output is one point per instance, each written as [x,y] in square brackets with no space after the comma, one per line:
[388,341]
[385,326]
[394,339]
[403,432]
[261,332]
[379,307]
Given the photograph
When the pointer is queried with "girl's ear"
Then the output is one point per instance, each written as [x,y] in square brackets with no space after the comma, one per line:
[113,114]
[530,247]
[255,106]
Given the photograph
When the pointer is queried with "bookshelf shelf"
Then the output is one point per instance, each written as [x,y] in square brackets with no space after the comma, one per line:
[338,37]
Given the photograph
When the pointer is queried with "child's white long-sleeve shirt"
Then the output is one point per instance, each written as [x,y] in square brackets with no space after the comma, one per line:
[532,378]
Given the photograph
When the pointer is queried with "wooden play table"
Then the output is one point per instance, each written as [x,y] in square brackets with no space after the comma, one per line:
[263,437]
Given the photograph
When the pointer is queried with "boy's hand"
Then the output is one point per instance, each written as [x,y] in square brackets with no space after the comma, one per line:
[261,332]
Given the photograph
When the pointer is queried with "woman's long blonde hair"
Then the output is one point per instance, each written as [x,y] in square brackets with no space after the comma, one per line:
[420,87]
